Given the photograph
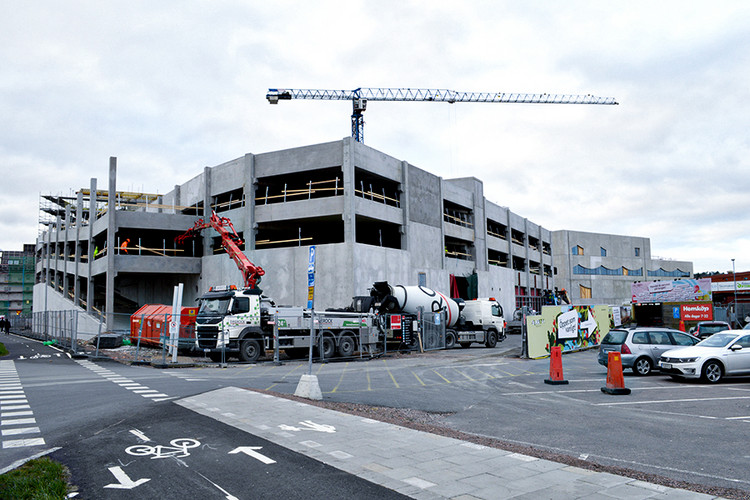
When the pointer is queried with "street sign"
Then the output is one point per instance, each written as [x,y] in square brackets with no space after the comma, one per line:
[311,278]
[311,261]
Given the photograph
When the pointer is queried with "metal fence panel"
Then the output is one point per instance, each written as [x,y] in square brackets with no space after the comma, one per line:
[433,331]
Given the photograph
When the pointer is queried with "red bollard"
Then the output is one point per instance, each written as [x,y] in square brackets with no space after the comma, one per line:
[615,380]
[555,367]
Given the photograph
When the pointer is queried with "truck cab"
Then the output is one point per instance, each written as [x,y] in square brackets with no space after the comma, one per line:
[232,320]
[480,321]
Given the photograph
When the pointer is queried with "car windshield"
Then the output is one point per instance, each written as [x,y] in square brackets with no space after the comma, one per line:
[713,328]
[718,340]
[214,306]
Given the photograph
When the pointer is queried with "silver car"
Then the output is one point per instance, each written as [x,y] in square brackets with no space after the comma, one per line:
[642,346]
[721,355]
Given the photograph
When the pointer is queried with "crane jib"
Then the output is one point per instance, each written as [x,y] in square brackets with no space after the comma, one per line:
[360,96]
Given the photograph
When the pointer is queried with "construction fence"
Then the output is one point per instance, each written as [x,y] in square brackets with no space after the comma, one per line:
[154,337]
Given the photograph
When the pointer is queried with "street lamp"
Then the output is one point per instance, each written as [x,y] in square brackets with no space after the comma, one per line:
[734,275]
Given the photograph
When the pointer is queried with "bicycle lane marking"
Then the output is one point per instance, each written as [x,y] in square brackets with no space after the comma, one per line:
[15,411]
[124,382]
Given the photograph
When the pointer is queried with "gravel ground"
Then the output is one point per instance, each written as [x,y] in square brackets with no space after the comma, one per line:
[430,422]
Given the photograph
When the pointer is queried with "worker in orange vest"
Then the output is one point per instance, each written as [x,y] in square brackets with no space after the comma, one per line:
[124,246]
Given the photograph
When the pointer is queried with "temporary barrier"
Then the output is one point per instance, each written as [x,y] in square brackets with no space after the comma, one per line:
[615,380]
[555,367]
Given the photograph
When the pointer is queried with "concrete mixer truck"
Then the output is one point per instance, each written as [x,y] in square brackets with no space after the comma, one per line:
[471,321]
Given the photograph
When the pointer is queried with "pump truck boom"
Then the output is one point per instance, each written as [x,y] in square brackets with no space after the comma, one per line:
[231,242]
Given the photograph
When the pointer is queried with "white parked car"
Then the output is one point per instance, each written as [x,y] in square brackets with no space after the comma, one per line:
[723,354]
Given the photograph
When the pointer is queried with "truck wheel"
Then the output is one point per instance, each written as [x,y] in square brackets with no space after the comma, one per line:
[347,346]
[450,339]
[491,339]
[250,350]
[329,348]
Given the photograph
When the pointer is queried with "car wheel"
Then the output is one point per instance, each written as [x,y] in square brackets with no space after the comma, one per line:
[712,372]
[642,366]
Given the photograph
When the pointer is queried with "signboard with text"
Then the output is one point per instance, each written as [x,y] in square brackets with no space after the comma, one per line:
[697,312]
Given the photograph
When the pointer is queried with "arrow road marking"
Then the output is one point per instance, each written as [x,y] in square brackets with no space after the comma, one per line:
[125,483]
[250,451]
[308,425]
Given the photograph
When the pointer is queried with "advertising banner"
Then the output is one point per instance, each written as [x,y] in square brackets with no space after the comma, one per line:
[682,290]
[571,327]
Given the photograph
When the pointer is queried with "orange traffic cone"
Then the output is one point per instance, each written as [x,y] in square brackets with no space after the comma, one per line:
[615,381]
[555,367]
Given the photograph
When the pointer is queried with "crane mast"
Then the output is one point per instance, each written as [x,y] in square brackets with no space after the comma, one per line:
[231,242]
[360,96]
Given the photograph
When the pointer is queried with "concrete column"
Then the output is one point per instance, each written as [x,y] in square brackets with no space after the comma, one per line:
[509,236]
[176,201]
[529,282]
[347,167]
[111,257]
[48,263]
[58,225]
[207,234]
[249,231]
[89,274]
[66,239]
[404,206]
[79,222]
[441,204]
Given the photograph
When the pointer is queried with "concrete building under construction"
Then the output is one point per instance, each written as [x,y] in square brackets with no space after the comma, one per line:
[371,217]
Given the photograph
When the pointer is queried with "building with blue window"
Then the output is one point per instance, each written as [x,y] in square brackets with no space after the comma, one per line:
[597,268]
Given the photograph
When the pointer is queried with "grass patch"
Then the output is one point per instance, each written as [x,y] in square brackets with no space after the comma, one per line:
[39,479]
[3,350]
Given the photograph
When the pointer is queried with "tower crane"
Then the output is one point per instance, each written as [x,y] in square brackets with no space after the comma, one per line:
[360,96]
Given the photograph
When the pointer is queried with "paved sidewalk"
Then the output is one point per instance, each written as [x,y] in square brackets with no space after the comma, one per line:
[414,463]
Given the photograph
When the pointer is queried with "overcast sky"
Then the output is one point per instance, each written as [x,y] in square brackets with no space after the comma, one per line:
[169,87]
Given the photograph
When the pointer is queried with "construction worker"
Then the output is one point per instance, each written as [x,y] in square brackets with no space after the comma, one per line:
[124,246]
[96,251]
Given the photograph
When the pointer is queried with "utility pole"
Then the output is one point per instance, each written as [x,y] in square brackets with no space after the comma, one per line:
[734,276]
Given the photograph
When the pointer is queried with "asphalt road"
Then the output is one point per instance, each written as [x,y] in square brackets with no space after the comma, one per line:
[686,431]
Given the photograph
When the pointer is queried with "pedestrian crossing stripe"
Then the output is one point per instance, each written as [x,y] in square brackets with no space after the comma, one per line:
[13,403]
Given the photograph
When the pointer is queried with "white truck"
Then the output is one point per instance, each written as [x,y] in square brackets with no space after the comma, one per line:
[472,321]
[245,323]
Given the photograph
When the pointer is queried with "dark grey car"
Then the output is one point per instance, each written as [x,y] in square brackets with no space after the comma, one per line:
[640,347]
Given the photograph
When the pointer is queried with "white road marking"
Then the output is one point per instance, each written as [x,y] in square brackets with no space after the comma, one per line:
[124,382]
[13,403]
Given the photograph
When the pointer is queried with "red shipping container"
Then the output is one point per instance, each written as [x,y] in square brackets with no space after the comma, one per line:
[156,319]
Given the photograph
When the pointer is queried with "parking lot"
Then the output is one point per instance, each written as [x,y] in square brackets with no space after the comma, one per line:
[686,431]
